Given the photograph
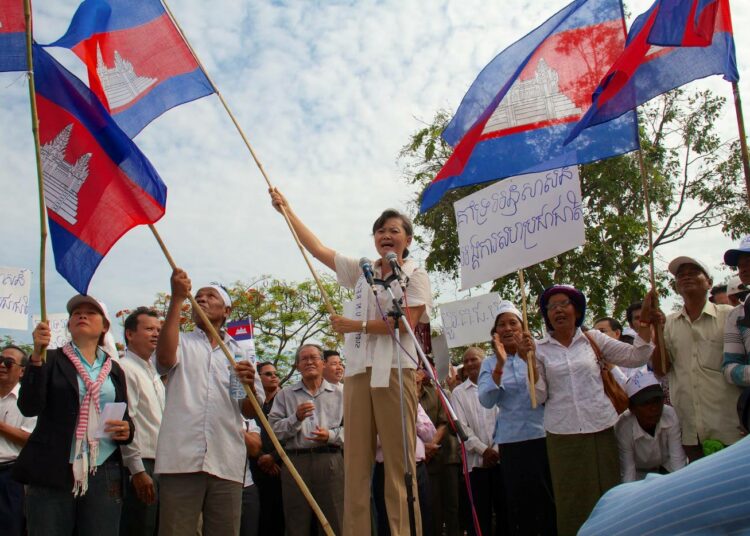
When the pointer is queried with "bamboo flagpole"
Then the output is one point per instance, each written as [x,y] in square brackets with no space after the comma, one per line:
[743,138]
[530,357]
[253,401]
[659,329]
[258,163]
[39,172]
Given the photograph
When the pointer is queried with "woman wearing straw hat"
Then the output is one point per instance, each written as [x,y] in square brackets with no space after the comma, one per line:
[579,417]
[74,474]
[519,430]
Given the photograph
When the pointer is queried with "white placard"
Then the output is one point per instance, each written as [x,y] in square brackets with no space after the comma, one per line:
[469,321]
[441,355]
[15,286]
[518,222]
[58,323]
[113,411]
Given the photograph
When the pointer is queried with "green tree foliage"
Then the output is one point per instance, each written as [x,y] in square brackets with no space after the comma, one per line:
[695,182]
[7,340]
[285,314]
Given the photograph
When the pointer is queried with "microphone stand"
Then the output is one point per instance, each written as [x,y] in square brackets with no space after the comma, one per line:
[397,313]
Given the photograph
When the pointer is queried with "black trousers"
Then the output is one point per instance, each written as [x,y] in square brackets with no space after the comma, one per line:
[528,488]
[271,522]
[488,495]
[11,504]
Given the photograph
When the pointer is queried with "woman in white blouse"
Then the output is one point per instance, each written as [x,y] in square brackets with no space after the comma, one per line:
[578,416]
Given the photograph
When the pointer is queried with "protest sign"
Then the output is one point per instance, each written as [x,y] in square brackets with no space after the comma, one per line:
[15,286]
[469,321]
[518,222]
[58,325]
[441,355]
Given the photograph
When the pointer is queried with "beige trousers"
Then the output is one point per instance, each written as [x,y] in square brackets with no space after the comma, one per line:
[368,413]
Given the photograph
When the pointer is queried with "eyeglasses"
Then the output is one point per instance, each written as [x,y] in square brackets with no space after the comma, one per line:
[311,359]
[558,305]
[269,374]
[9,362]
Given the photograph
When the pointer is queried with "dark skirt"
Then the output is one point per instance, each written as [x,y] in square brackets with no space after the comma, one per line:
[583,467]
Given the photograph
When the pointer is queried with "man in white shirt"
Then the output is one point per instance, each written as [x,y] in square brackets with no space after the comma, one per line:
[200,454]
[14,432]
[146,406]
[648,433]
[481,453]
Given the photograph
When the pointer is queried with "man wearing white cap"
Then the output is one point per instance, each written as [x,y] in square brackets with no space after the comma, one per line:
[648,433]
[693,337]
[737,329]
[200,454]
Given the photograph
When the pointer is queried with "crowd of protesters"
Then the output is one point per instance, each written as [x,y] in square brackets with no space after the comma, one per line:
[154,441]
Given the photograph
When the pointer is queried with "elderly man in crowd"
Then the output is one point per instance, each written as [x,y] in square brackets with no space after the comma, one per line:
[14,432]
[481,452]
[693,337]
[200,455]
[146,406]
[308,418]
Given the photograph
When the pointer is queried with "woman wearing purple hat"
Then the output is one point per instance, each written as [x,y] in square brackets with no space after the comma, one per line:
[71,463]
[579,417]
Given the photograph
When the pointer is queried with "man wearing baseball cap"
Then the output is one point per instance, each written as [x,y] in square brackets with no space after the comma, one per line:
[648,433]
[693,337]
[737,329]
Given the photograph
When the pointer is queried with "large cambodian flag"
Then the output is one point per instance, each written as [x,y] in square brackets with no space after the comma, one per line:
[522,106]
[12,36]
[138,63]
[97,184]
[644,71]
[684,23]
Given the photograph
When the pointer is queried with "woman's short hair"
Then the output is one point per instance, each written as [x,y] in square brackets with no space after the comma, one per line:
[393,213]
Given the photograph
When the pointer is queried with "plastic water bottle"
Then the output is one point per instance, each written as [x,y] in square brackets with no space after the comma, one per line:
[236,389]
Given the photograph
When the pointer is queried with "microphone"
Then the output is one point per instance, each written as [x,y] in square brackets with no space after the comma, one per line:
[392,259]
[366,266]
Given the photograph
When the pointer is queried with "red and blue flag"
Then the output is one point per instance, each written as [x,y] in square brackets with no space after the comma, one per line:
[644,71]
[97,183]
[684,23]
[522,106]
[12,36]
[138,63]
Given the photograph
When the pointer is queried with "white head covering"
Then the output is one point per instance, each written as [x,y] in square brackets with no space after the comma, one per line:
[222,293]
[639,381]
[508,307]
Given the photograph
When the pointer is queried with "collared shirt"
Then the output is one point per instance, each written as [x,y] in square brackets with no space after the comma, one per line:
[329,415]
[478,422]
[201,429]
[516,420]
[146,407]
[418,293]
[736,364]
[12,416]
[706,497]
[106,396]
[425,433]
[570,381]
[641,453]
[706,405]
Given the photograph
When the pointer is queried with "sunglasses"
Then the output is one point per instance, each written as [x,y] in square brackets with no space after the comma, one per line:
[9,362]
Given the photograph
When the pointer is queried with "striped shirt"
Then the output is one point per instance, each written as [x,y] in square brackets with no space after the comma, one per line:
[709,496]
[736,364]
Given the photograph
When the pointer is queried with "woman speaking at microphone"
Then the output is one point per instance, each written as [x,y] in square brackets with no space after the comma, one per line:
[371,388]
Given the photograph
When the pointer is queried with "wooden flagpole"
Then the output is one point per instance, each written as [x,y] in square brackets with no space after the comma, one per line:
[258,163]
[253,401]
[530,357]
[659,329]
[39,174]
[743,139]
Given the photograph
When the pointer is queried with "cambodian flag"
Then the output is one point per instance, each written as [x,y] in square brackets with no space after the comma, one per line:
[684,23]
[644,71]
[97,184]
[521,107]
[12,36]
[138,63]
[241,330]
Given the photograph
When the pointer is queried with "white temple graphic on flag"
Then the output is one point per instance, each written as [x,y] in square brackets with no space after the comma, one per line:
[120,83]
[531,101]
[63,180]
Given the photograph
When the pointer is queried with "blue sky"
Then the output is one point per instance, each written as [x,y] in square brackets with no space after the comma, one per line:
[327,93]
